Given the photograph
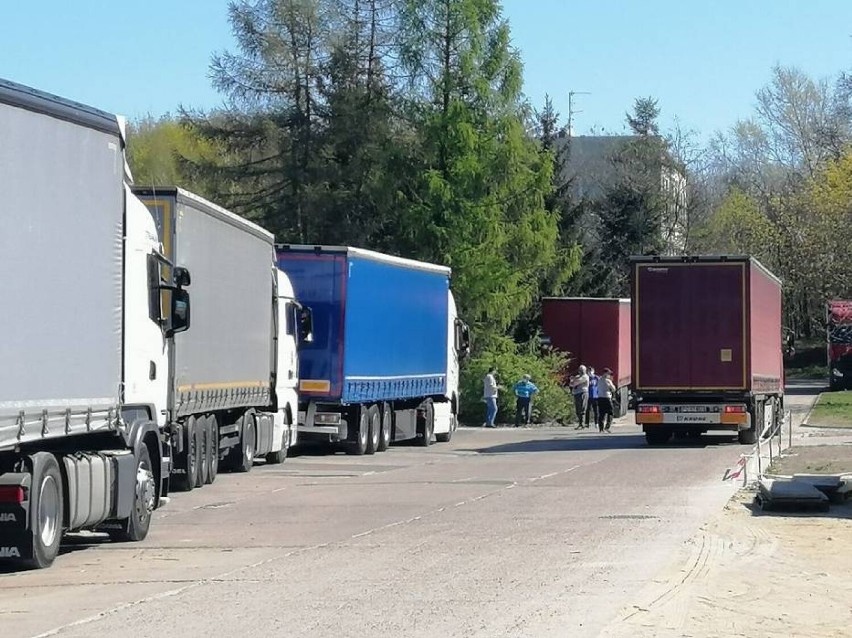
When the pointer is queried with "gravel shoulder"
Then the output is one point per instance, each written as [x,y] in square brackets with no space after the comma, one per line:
[750,573]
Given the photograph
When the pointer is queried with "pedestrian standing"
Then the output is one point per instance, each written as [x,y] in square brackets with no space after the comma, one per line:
[489,395]
[580,391]
[524,391]
[606,389]
[592,407]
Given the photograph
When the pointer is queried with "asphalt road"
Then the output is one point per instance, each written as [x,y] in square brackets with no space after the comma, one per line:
[531,532]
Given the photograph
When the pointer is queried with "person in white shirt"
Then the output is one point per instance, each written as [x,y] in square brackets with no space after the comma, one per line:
[580,390]
[489,395]
[606,389]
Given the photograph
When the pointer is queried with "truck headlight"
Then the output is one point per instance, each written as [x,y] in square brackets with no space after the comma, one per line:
[836,372]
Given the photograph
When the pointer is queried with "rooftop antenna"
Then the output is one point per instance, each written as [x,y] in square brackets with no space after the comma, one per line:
[571,111]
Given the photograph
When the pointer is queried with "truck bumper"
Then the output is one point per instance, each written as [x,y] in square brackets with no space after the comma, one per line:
[730,417]
[331,433]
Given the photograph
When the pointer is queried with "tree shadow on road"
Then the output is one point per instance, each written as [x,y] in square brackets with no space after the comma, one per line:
[601,442]
[805,388]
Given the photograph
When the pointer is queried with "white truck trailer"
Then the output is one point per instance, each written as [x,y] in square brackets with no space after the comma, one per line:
[234,374]
[96,394]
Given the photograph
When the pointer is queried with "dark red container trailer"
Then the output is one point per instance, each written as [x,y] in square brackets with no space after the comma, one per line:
[707,351]
[839,329]
[594,332]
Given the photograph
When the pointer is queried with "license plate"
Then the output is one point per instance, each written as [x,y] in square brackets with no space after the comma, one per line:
[696,418]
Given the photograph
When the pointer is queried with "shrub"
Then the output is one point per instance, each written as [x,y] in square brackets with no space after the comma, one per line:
[512,362]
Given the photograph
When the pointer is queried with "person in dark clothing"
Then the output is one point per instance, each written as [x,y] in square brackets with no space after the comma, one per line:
[524,391]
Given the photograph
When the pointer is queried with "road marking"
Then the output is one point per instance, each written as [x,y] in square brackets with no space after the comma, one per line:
[266,561]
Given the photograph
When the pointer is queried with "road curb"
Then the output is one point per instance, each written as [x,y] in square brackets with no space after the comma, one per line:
[807,418]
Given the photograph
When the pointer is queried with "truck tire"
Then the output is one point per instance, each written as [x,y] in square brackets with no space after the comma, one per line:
[445,437]
[212,427]
[276,458]
[202,437]
[428,426]
[185,482]
[358,446]
[246,448]
[375,419]
[135,528]
[659,436]
[747,437]
[622,402]
[46,513]
[387,427]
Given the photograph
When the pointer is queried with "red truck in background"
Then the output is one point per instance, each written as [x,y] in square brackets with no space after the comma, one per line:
[594,332]
[839,330]
[707,351]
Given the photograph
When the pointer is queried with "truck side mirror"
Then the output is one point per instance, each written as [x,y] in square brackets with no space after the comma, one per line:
[306,325]
[463,339]
[180,312]
[182,277]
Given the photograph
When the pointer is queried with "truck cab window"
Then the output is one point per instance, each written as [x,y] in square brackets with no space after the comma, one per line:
[155,308]
[291,318]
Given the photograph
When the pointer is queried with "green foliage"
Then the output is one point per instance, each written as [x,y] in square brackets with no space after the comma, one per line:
[480,204]
[156,149]
[512,361]
[739,227]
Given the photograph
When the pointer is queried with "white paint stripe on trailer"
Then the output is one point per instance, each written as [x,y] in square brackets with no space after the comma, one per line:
[397,378]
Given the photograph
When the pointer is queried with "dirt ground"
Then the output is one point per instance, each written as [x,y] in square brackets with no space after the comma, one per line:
[814,459]
[749,573]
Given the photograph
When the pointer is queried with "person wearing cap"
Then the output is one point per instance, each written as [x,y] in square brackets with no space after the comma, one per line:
[592,406]
[580,390]
[606,389]
[524,391]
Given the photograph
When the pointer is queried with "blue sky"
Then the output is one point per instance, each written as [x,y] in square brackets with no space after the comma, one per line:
[702,60]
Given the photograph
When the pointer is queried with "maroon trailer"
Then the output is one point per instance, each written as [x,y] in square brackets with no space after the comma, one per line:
[839,324]
[707,351]
[594,332]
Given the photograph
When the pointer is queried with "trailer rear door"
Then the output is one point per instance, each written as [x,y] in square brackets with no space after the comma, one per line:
[690,326]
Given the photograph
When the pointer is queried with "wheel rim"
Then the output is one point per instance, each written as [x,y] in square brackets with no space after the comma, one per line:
[145,492]
[375,428]
[191,455]
[249,437]
[364,426]
[48,505]
[214,447]
[386,426]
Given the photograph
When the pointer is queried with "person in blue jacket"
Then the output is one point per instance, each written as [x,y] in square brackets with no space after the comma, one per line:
[524,391]
[592,406]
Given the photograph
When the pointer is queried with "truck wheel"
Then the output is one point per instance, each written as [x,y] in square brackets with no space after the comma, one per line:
[202,467]
[387,428]
[428,426]
[375,419]
[447,436]
[212,426]
[136,527]
[358,446]
[185,482]
[747,437]
[247,444]
[276,458]
[622,404]
[46,510]
[658,436]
